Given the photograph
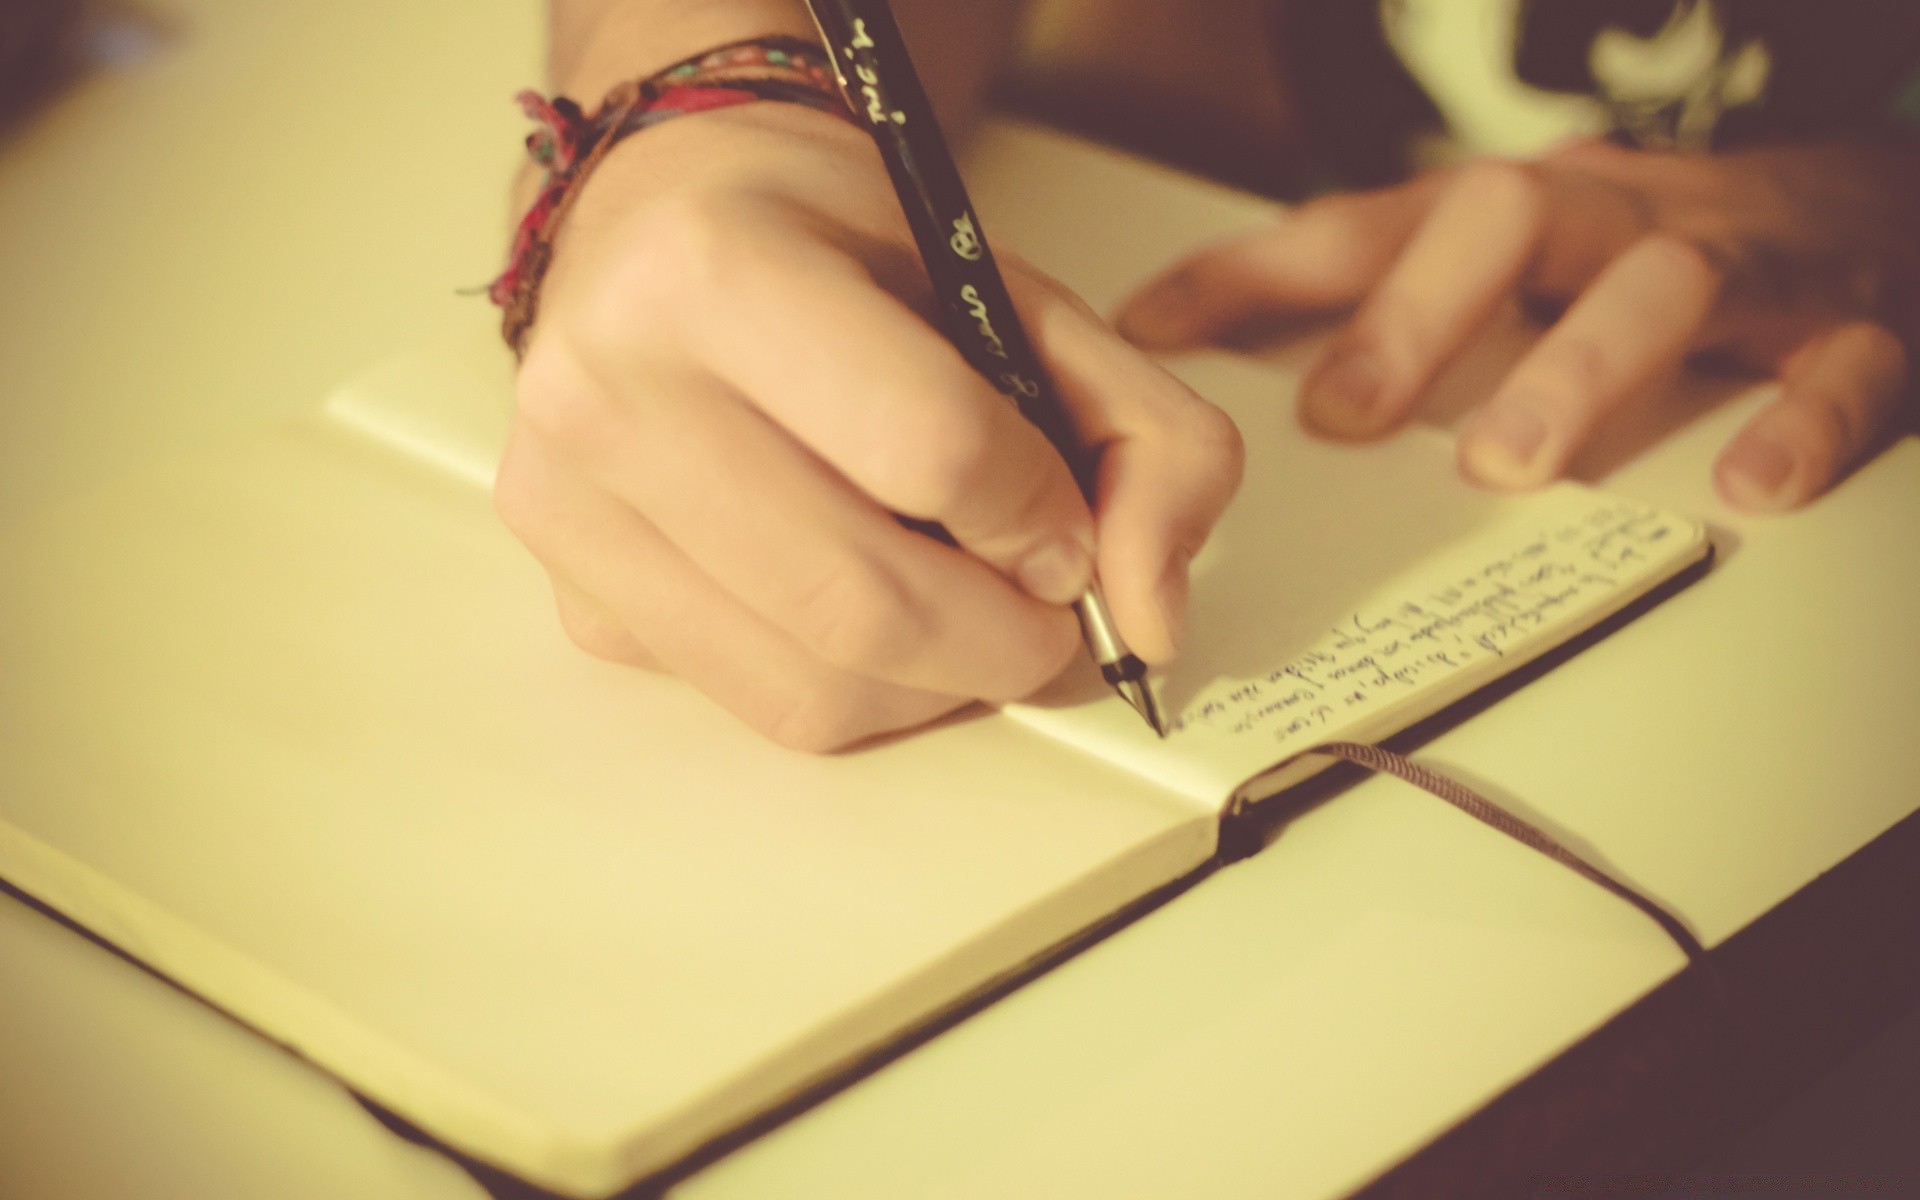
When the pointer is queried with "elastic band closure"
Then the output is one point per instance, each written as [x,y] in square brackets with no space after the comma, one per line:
[1487,812]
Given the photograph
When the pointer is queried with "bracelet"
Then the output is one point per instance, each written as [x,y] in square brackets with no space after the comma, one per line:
[570,143]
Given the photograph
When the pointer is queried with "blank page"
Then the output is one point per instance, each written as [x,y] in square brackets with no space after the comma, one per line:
[294,723]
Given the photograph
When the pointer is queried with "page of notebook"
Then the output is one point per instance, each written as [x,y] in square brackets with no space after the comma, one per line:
[1350,591]
[292,722]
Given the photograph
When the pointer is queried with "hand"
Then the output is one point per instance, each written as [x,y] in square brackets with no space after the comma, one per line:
[1799,262]
[732,387]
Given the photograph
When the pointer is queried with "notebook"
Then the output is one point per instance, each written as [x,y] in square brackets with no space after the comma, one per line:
[291,721]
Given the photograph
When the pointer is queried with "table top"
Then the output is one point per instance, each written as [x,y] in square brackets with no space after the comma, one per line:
[150,257]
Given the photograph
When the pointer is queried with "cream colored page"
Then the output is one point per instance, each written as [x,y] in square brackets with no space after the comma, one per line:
[1352,590]
[295,724]
[446,403]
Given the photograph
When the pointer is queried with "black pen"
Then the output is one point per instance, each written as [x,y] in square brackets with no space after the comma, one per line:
[877,76]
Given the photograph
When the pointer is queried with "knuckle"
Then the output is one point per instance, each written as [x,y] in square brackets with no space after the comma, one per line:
[857,615]
[685,252]
[686,235]
[1507,182]
[812,720]
[1392,324]
[515,500]
[1685,258]
[558,403]
[597,634]
[1054,649]
[1883,352]
[642,273]
[1328,206]
[1580,369]
[1039,290]
[1218,442]
[943,453]
[1211,439]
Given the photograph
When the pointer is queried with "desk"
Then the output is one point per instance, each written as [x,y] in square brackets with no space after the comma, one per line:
[151,259]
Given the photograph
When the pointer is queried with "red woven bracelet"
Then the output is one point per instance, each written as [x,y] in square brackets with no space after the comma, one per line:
[570,143]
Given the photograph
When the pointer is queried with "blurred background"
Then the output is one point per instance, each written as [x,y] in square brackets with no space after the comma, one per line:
[36,37]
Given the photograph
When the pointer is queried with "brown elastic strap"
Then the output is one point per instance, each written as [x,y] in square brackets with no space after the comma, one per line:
[1486,811]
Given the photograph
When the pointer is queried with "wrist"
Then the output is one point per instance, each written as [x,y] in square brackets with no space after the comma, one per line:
[571,141]
[761,148]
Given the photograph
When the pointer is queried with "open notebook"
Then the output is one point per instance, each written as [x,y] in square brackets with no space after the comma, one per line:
[292,722]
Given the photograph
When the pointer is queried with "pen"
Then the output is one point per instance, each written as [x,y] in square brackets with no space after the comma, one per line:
[874,71]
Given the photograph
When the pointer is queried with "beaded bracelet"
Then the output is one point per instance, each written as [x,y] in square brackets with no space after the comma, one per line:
[570,143]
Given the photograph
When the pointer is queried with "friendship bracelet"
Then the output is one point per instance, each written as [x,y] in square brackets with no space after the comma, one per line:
[570,143]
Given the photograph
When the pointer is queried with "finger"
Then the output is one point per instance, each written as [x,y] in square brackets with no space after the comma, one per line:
[592,627]
[1169,462]
[1631,327]
[1464,260]
[1840,399]
[1324,255]
[595,547]
[1593,215]
[864,382]
[783,533]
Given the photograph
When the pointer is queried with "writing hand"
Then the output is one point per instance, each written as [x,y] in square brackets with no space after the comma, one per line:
[732,387]
[1801,262]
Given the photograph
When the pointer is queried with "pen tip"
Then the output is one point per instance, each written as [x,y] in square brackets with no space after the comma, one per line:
[1139,694]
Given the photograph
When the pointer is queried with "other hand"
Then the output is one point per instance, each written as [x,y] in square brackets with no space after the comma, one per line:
[1799,262]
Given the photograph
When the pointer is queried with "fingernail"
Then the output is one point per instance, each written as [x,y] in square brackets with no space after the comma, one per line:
[1056,571]
[1343,395]
[1503,444]
[1171,595]
[1754,469]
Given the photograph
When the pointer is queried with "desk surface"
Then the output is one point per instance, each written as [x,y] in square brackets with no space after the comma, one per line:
[150,256]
